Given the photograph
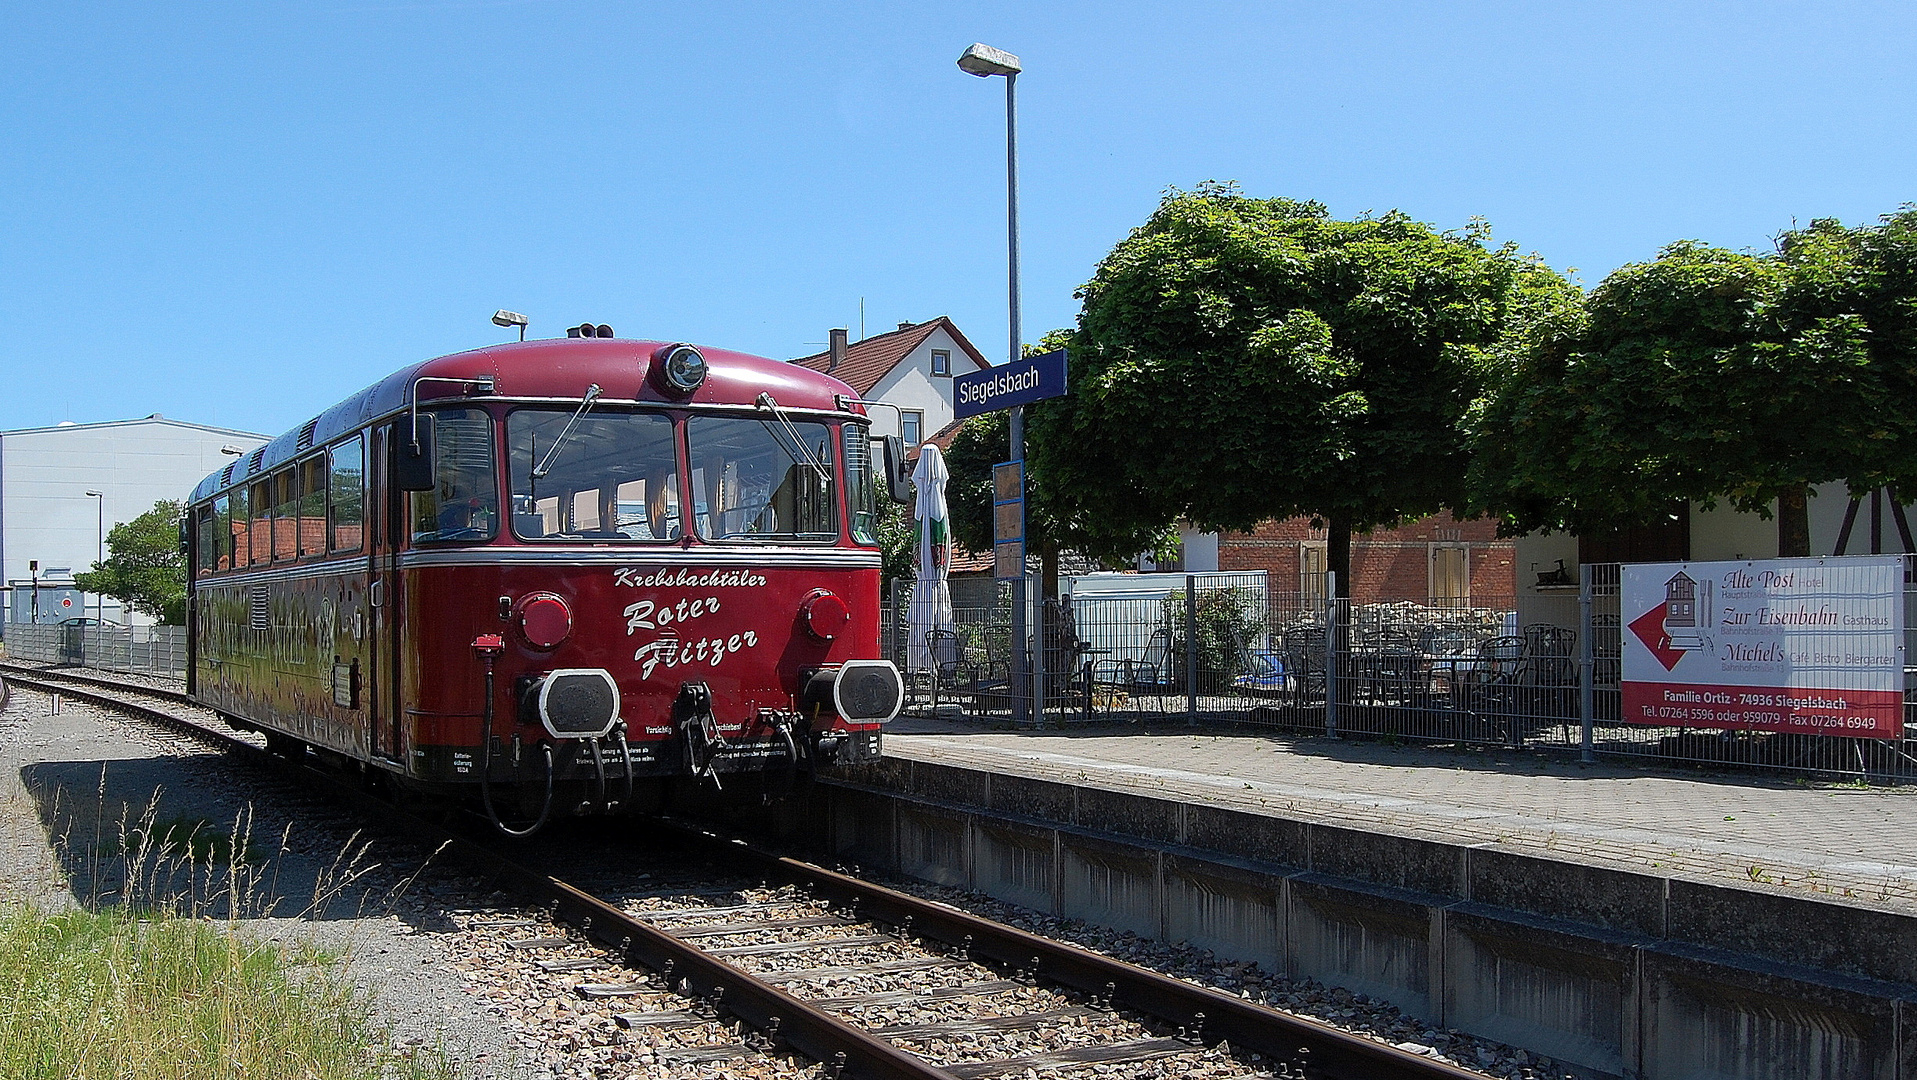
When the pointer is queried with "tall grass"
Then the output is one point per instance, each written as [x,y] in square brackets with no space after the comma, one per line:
[156,977]
[109,995]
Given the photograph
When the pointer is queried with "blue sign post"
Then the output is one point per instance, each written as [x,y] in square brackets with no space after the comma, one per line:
[1021,382]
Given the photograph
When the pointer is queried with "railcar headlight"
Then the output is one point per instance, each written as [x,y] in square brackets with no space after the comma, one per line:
[682,369]
[545,620]
[824,614]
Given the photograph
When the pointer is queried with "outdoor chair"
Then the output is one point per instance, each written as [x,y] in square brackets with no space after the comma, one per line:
[1490,687]
[1303,649]
[951,673]
[1551,670]
[1135,677]
[1522,685]
[1548,651]
[1605,646]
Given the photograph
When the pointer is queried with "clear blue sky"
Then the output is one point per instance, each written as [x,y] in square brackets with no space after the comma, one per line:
[241,212]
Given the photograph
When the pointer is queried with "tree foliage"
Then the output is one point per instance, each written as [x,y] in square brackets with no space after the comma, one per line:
[1711,374]
[896,539]
[144,568]
[1239,359]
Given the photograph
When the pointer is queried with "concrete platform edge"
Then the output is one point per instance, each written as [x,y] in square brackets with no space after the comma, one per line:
[1624,974]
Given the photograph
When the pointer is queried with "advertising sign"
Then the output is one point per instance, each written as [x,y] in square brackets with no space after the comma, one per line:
[1020,382]
[1810,646]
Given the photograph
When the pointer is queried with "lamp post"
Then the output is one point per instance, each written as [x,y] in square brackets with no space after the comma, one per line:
[985,62]
[99,556]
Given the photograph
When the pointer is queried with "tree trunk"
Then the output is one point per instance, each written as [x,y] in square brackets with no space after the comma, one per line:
[1338,561]
[1048,570]
[1793,524]
[1338,552]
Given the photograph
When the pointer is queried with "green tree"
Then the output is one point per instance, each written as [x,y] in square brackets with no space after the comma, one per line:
[984,441]
[145,568]
[1240,359]
[1708,374]
[897,541]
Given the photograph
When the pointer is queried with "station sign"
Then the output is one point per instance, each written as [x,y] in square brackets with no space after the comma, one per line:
[1021,382]
[1806,646]
[1008,520]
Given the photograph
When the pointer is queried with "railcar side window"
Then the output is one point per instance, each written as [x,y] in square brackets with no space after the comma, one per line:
[242,529]
[755,482]
[609,476]
[348,479]
[312,506]
[861,487]
[223,533]
[261,533]
[286,492]
[464,503]
[203,541]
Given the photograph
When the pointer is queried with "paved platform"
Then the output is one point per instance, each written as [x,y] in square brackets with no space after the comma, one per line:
[1843,842]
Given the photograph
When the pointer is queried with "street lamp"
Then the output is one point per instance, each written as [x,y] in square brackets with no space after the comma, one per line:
[985,62]
[99,556]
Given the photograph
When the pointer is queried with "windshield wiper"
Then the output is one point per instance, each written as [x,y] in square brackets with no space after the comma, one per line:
[804,453]
[545,465]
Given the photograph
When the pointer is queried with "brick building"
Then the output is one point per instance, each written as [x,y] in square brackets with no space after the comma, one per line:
[1437,560]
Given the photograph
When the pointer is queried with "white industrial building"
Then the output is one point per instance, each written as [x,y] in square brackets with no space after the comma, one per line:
[51,529]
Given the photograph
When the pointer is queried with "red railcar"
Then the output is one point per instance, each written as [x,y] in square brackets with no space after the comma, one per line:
[558,574]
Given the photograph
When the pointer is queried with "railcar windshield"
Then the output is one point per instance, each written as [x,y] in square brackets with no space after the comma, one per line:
[612,477]
[464,502]
[861,484]
[762,479]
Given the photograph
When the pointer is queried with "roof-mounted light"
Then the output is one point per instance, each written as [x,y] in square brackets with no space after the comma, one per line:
[681,369]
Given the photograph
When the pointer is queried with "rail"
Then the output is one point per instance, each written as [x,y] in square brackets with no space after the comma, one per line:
[1203,1016]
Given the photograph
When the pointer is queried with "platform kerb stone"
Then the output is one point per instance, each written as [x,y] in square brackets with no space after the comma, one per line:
[1581,894]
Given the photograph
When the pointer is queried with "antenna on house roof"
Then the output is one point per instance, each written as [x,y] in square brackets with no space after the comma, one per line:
[861,318]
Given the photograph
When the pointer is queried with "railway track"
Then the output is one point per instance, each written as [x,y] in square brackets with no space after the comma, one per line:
[865,980]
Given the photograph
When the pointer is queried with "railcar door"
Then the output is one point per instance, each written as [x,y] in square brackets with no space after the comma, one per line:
[383,506]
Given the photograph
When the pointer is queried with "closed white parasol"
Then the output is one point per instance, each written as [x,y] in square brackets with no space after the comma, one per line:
[931,598]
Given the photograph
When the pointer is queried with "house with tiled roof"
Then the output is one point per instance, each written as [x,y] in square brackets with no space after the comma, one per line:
[911,367]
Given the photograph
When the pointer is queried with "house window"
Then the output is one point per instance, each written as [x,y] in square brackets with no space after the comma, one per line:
[941,362]
[911,426]
[1450,581]
[1312,567]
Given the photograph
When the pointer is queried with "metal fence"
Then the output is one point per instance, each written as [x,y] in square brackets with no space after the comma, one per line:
[154,650]
[1217,651]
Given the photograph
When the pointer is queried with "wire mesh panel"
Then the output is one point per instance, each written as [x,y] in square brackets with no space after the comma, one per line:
[1226,649]
[156,650]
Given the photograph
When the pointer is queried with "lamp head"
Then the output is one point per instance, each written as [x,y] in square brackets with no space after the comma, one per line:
[97,494]
[985,61]
[502,317]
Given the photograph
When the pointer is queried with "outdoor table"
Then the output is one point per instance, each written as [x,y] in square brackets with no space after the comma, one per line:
[1453,663]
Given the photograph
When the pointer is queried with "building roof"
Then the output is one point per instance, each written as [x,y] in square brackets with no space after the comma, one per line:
[869,361]
[154,418]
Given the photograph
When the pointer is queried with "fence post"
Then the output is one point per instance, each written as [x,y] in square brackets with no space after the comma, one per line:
[1586,665]
[1331,653]
[1191,649]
